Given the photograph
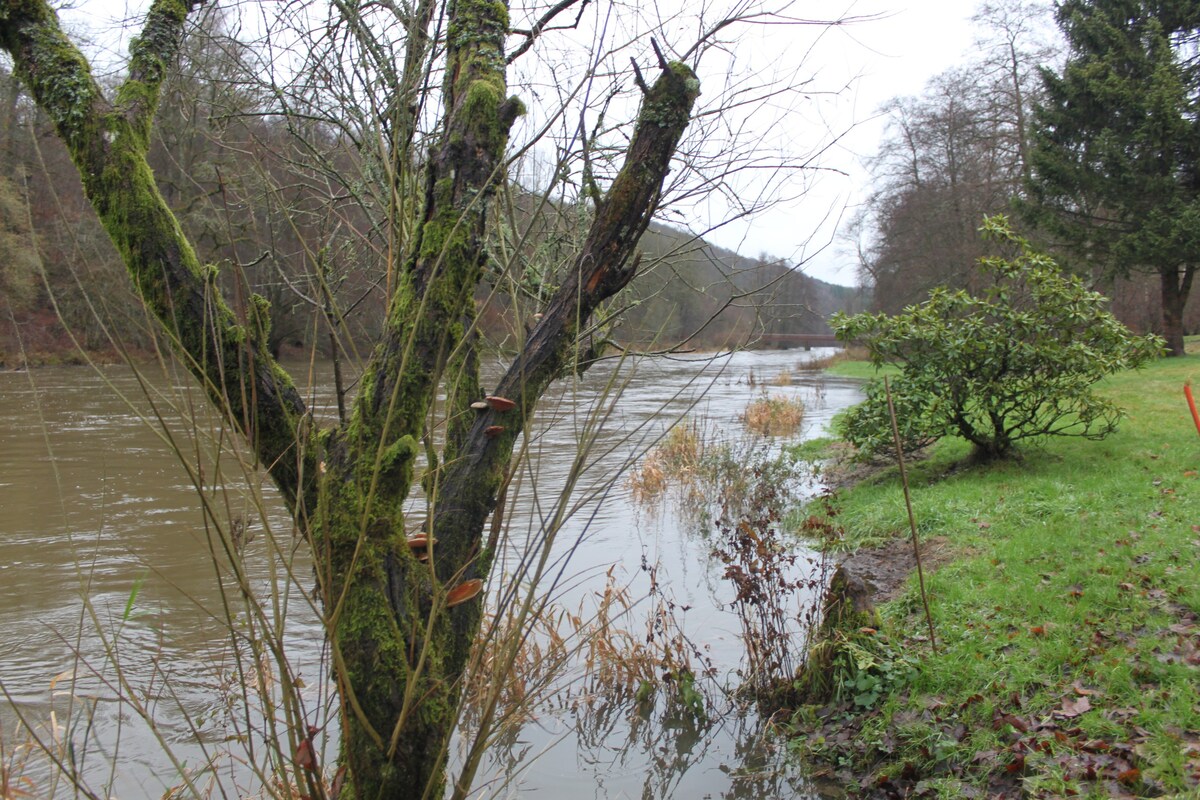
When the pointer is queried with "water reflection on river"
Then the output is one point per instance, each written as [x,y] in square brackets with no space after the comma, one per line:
[93,503]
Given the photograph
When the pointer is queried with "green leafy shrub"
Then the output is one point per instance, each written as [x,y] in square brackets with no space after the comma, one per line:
[1016,363]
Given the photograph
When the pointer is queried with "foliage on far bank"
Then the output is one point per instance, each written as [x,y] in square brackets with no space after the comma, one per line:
[1016,362]
[1068,627]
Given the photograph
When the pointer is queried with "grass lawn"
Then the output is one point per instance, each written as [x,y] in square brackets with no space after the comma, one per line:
[859,369]
[1069,642]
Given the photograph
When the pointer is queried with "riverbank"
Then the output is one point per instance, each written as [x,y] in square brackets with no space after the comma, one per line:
[1068,659]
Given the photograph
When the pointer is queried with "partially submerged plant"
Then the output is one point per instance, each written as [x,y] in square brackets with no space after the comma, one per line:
[593,661]
[771,577]
[679,458]
[710,472]
[776,415]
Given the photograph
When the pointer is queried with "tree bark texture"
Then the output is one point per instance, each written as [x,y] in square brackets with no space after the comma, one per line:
[1175,287]
[399,648]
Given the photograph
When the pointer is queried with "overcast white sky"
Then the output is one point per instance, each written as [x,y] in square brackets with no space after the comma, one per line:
[894,55]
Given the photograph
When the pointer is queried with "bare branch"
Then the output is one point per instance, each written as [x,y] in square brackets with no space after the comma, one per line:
[662,60]
[542,25]
[601,269]
[637,76]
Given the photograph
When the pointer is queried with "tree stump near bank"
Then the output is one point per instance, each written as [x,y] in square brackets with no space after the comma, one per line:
[847,611]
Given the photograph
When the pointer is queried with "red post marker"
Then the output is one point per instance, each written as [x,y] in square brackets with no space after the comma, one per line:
[1187,390]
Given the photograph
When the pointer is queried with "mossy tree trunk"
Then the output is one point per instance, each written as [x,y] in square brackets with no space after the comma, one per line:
[399,650]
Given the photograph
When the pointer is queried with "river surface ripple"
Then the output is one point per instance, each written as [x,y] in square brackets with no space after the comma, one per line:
[102,541]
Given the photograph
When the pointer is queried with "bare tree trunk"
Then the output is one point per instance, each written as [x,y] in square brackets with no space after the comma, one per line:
[1175,286]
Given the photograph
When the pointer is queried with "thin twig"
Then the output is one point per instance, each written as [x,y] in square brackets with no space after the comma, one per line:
[912,520]
[543,25]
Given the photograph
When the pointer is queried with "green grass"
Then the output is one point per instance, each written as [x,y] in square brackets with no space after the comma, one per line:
[812,449]
[1077,571]
[859,369]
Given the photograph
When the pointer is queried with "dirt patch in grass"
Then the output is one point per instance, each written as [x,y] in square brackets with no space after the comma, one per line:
[885,569]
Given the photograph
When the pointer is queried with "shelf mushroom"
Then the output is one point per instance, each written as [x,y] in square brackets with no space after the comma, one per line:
[463,592]
[499,403]
[420,544]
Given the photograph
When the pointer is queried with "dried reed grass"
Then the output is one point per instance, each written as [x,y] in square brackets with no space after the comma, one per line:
[782,378]
[776,415]
[586,660]
[707,472]
[14,766]
[678,458]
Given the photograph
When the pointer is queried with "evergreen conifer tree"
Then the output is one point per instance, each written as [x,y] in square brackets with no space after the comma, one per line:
[1116,152]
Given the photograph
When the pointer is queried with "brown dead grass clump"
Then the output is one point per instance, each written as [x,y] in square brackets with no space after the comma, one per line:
[679,455]
[584,660]
[774,416]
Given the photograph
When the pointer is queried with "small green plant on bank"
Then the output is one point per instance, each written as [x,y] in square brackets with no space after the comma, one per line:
[869,667]
[1016,363]
[1068,624]
[812,449]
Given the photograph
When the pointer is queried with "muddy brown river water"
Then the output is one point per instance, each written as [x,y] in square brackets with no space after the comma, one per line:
[109,600]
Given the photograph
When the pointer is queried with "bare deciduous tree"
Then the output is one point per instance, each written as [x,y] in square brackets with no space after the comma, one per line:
[953,155]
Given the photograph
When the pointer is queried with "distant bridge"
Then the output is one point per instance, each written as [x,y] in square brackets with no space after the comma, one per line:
[805,340]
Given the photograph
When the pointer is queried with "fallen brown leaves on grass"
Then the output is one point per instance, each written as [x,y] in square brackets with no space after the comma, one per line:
[1031,743]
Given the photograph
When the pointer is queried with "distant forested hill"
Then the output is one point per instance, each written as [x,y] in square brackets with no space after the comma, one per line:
[312,246]
[689,290]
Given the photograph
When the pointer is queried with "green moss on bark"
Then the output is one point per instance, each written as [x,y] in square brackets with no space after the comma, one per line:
[400,652]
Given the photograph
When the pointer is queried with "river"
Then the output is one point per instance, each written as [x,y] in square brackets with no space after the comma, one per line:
[109,593]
